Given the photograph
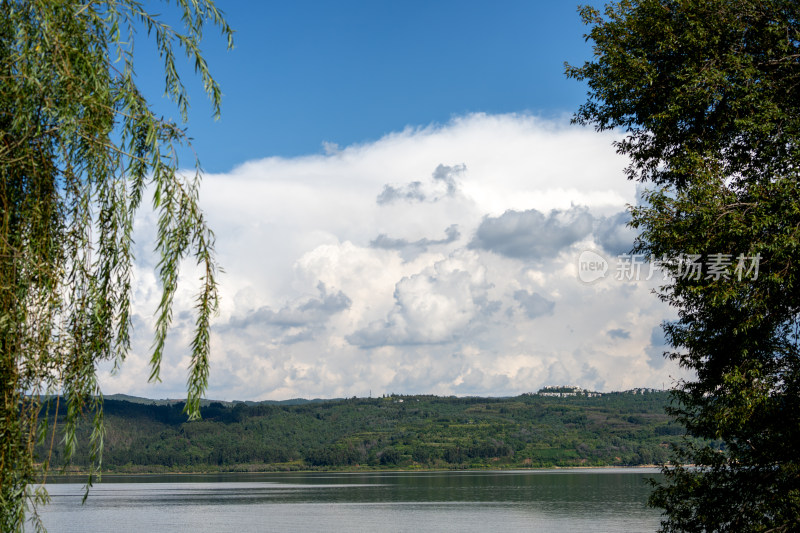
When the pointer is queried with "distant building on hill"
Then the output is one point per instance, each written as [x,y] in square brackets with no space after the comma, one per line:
[641,390]
[563,391]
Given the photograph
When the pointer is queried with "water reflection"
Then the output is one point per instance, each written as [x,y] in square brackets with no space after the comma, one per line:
[595,500]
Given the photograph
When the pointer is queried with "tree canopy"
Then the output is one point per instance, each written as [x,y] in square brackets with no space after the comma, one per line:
[80,150]
[423,431]
[708,93]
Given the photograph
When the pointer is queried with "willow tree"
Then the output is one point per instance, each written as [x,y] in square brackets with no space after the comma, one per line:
[708,92]
[80,151]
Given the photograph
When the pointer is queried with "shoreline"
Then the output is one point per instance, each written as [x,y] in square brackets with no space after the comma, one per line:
[100,476]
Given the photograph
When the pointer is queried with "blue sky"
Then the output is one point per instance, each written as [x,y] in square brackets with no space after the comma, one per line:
[349,72]
[401,205]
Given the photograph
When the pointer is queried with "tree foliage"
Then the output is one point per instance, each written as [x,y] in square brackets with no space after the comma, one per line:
[708,92]
[372,433]
[79,151]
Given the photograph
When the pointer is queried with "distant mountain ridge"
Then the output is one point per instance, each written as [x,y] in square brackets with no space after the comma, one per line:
[206,402]
[544,391]
[390,432]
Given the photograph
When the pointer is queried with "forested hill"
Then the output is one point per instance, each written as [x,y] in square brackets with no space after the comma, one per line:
[390,432]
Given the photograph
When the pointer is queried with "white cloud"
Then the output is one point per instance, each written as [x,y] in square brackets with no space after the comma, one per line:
[433,306]
[438,259]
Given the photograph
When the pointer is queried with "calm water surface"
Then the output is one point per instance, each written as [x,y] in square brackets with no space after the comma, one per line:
[543,500]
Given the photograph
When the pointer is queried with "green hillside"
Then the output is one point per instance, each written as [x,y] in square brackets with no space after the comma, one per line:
[391,432]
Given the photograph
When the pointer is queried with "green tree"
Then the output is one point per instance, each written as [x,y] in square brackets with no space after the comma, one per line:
[708,93]
[79,151]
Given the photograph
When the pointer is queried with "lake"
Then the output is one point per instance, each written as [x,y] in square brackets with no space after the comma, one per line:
[564,500]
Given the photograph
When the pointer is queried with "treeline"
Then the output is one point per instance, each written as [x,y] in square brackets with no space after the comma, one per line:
[390,432]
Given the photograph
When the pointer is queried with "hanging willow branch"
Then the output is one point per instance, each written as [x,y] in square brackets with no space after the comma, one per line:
[79,149]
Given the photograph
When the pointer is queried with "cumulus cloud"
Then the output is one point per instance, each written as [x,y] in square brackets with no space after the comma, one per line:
[531,234]
[431,307]
[534,304]
[619,333]
[658,345]
[303,318]
[413,248]
[443,184]
[614,235]
[411,192]
[330,293]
